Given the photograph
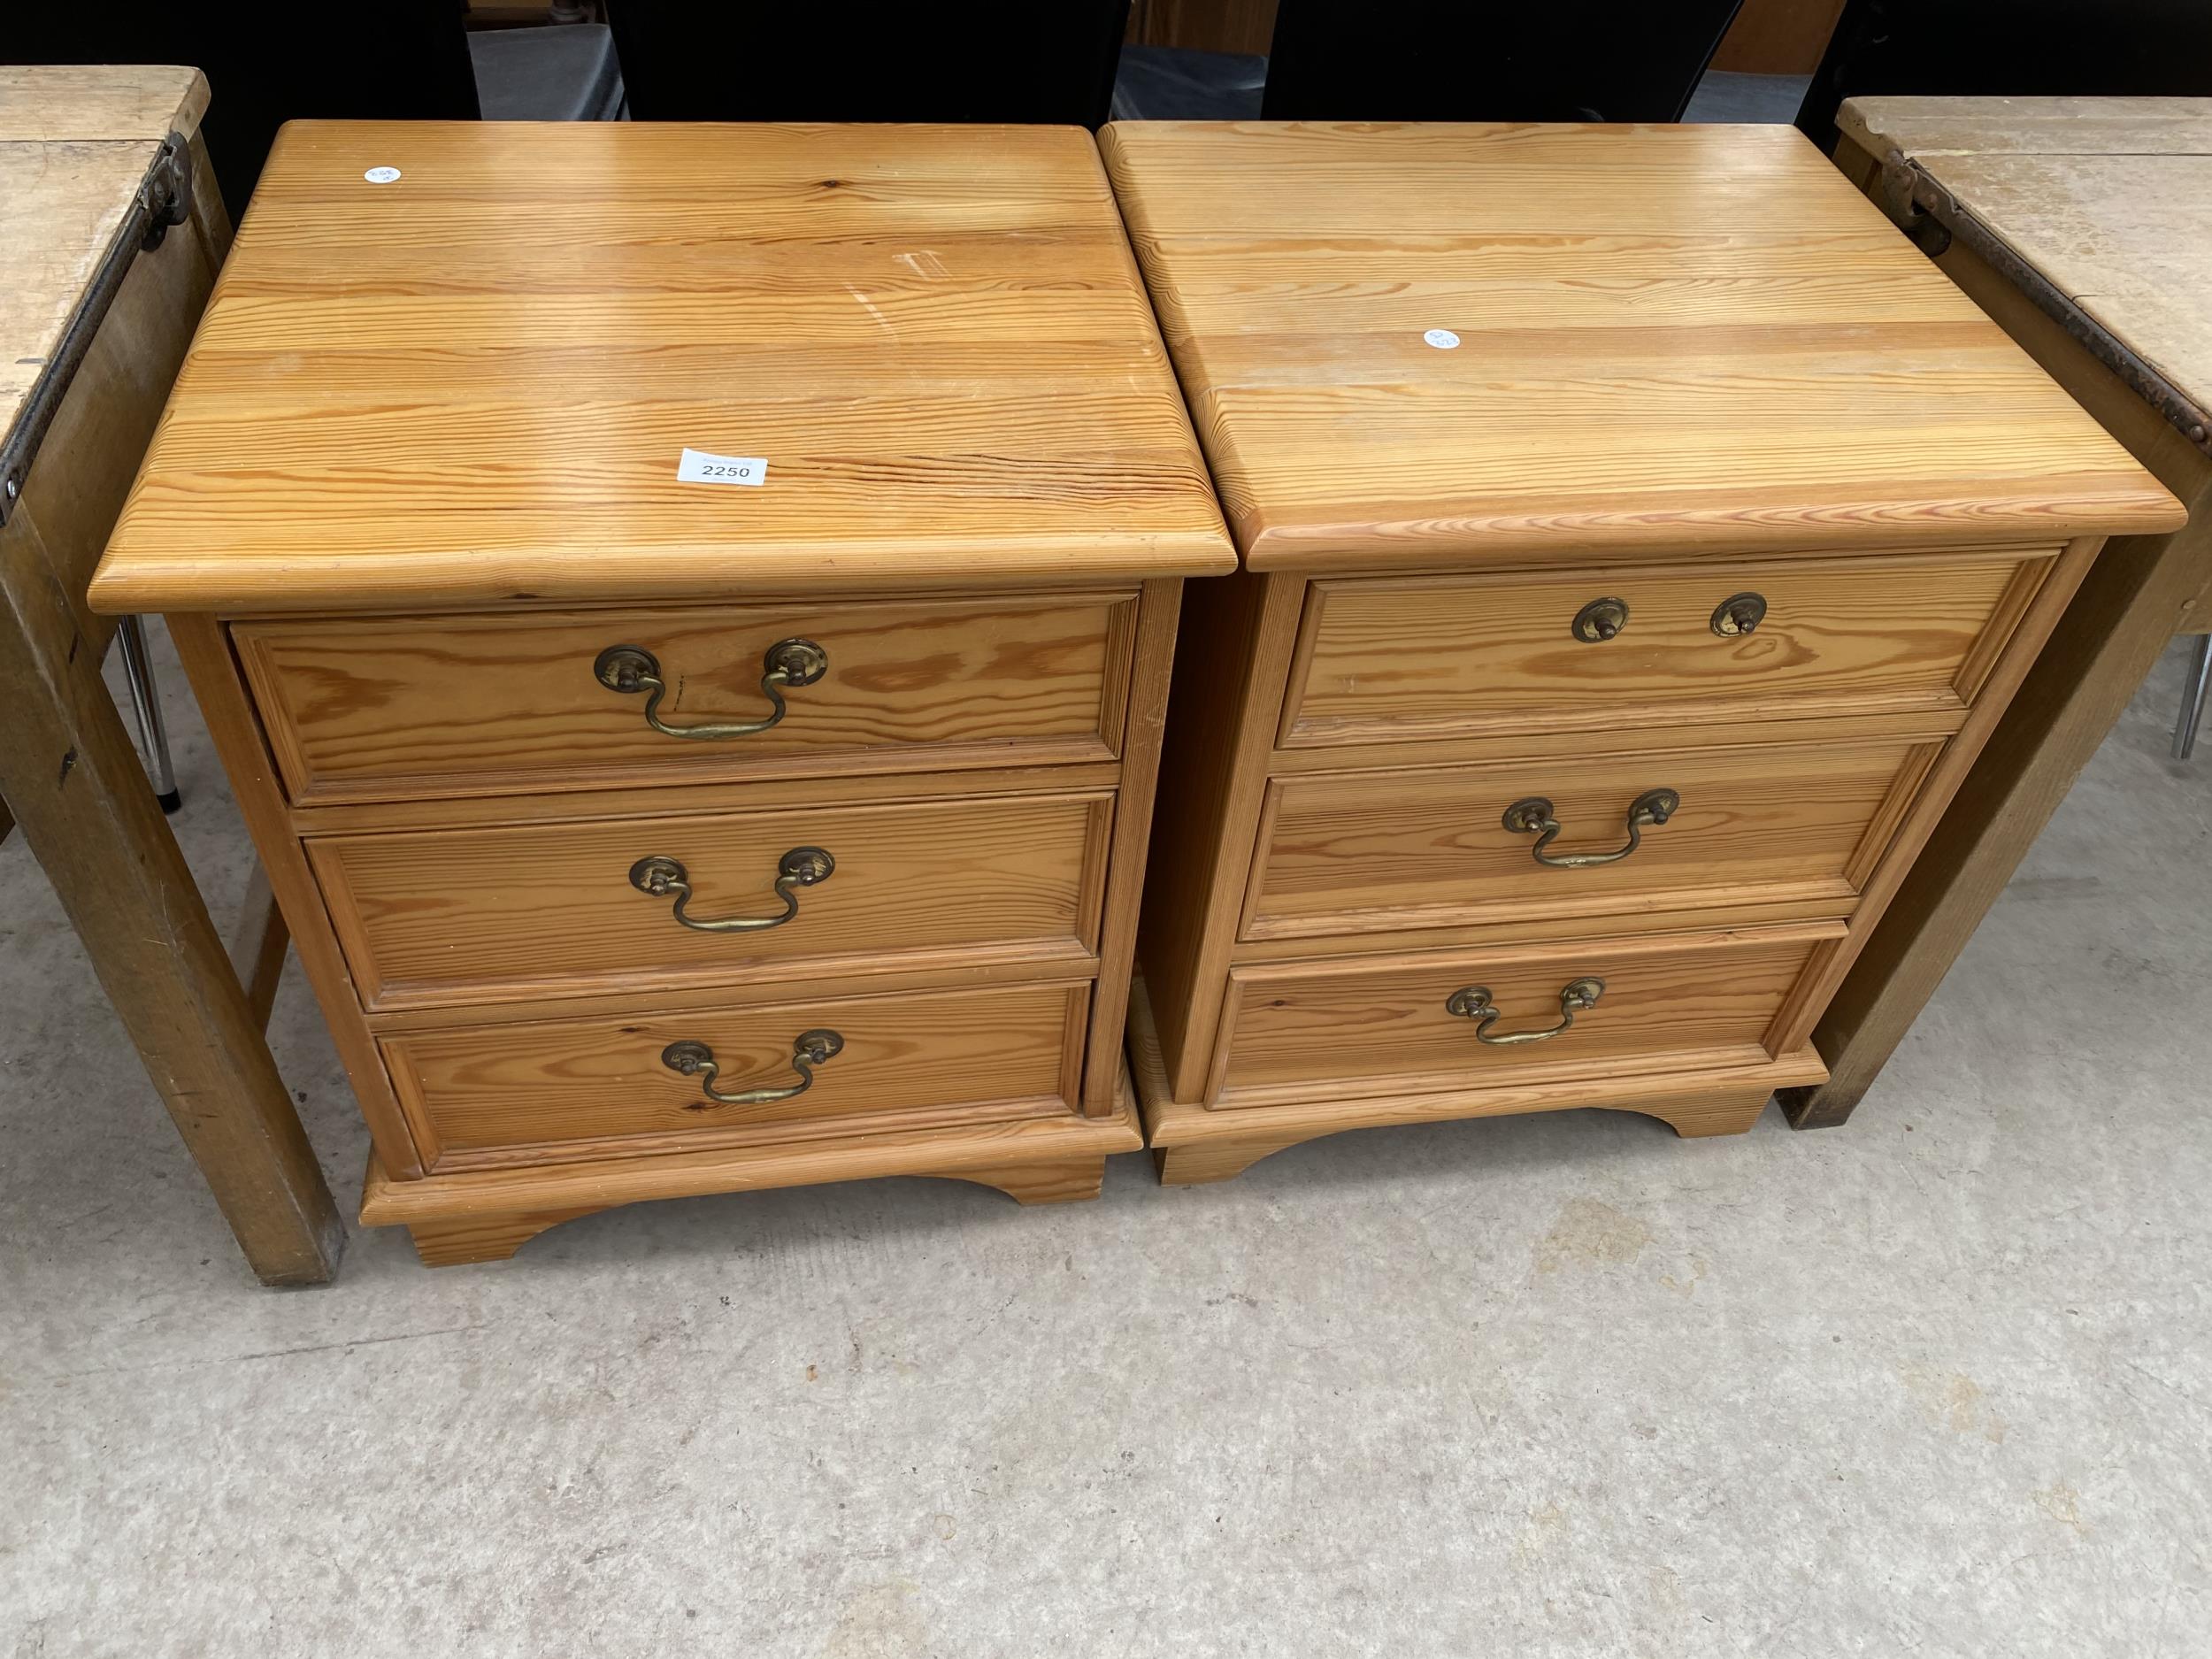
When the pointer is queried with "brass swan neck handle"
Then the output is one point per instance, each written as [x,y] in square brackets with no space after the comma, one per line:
[808,1049]
[630,669]
[1576,996]
[1535,816]
[801,867]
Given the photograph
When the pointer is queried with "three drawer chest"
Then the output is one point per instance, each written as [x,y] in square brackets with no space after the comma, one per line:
[1639,538]
[687,612]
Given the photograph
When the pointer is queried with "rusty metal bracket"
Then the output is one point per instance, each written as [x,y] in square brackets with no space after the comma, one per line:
[1933,217]
[164,198]
[1901,184]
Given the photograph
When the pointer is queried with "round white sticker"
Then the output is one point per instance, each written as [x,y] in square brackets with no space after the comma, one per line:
[382,175]
[1442,339]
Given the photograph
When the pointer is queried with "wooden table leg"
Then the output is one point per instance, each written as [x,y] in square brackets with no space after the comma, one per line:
[2119,625]
[75,787]
[2138,592]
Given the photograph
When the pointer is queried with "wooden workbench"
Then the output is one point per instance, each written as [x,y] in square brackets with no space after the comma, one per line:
[2081,225]
[93,323]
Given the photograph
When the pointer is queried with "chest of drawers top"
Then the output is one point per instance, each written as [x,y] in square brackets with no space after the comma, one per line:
[1430,344]
[470,384]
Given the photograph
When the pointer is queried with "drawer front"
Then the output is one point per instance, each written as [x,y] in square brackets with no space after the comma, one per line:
[420,706]
[1378,852]
[1294,1031]
[473,914]
[1468,657]
[593,1087]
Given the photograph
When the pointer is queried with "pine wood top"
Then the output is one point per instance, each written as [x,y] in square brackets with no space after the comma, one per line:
[75,142]
[1671,338]
[472,385]
[2110,198]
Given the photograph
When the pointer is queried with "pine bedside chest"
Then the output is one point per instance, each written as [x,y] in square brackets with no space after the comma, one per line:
[1639,538]
[687,611]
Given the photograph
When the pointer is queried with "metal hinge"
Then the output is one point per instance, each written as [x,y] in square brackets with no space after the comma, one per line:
[164,198]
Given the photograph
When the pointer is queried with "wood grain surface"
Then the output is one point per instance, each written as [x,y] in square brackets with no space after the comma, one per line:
[578,1087]
[1121,891]
[1670,339]
[203,649]
[1339,1028]
[465,916]
[76,787]
[384,708]
[1232,657]
[950,1149]
[75,142]
[1382,852]
[1192,1144]
[476,380]
[2108,198]
[77,103]
[1412,657]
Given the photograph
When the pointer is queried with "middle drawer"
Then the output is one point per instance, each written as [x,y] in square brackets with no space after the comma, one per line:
[1593,836]
[431,917]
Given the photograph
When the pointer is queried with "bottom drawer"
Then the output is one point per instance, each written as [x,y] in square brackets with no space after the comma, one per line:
[1413,1022]
[593,1087]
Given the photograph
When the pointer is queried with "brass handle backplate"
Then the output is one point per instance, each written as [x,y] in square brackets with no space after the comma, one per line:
[1600,621]
[808,1049]
[1576,996]
[1738,613]
[1535,817]
[801,867]
[630,669]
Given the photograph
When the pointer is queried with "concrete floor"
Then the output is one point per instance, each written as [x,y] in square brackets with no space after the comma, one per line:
[1938,1383]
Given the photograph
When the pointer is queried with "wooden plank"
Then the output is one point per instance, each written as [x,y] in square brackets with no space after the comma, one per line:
[1927,127]
[55,103]
[110,410]
[73,780]
[59,209]
[75,143]
[239,742]
[1583,341]
[1206,26]
[1236,638]
[1143,735]
[1778,37]
[258,946]
[934,336]
[2107,197]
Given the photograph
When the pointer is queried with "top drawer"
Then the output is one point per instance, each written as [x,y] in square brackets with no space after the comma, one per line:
[402,707]
[1442,656]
